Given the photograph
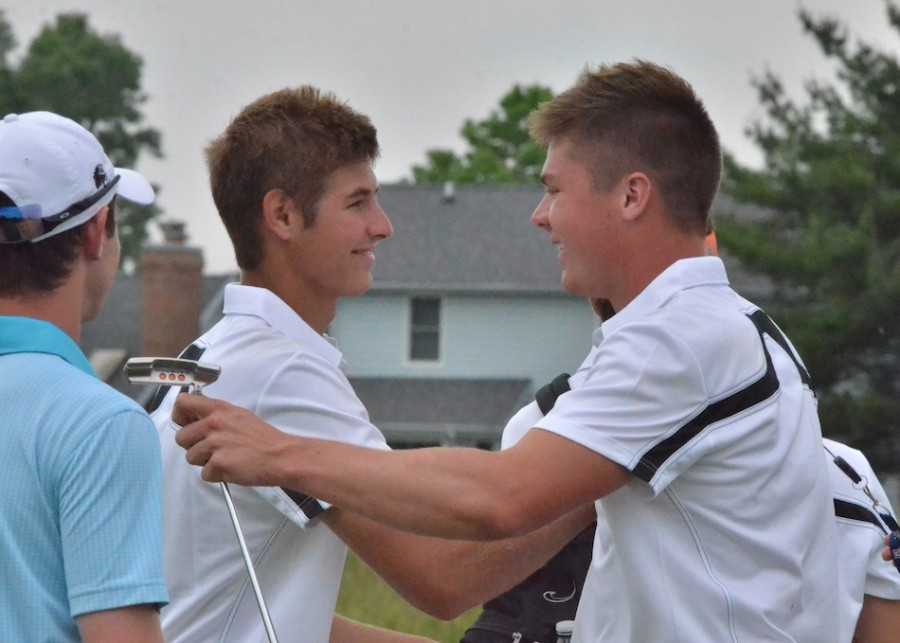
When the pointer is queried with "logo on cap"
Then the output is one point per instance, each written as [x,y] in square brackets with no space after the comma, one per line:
[100,177]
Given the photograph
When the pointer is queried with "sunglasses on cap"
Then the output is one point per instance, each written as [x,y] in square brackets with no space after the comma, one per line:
[25,223]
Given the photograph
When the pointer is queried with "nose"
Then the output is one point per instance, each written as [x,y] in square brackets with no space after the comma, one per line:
[541,216]
[381,225]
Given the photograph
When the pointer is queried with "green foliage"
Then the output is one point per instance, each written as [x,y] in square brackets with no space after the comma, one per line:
[94,80]
[832,245]
[500,150]
[366,598]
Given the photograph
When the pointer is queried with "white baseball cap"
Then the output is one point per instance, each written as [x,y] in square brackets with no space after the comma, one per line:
[58,176]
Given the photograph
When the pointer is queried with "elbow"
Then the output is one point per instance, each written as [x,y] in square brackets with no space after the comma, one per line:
[493,512]
[449,613]
[442,599]
[506,518]
[445,585]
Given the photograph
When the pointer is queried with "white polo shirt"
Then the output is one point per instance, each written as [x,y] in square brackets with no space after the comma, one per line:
[279,368]
[860,530]
[726,530]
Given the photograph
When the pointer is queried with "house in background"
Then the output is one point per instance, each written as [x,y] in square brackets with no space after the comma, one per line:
[467,317]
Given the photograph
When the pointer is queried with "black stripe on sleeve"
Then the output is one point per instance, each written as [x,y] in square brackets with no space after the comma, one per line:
[759,391]
[853,511]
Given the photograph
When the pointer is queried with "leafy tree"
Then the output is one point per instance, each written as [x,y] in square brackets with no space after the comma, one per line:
[96,81]
[7,80]
[831,180]
[500,150]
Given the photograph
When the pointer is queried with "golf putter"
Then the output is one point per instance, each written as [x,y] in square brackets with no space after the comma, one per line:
[165,371]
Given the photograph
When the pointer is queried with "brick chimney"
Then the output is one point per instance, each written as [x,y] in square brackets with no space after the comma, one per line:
[172,276]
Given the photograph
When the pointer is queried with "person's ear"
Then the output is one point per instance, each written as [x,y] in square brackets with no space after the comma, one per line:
[95,235]
[636,189]
[277,208]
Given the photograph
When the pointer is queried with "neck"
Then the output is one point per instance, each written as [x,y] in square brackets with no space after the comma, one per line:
[653,251]
[55,307]
[318,312]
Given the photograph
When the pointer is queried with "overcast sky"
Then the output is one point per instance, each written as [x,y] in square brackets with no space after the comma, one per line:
[419,68]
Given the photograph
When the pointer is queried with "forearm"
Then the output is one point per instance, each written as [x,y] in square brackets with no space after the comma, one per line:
[444,578]
[345,630]
[460,496]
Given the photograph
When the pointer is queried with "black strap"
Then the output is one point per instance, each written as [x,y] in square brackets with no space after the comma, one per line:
[192,352]
[764,324]
[547,394]
[309,506]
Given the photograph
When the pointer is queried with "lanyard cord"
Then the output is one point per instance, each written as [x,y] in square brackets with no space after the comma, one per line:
[892,530]
[861,483]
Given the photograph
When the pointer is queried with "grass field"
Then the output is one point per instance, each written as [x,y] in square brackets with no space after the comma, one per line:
[365,597]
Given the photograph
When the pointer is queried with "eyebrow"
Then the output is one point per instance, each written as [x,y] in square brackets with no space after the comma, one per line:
[361,192]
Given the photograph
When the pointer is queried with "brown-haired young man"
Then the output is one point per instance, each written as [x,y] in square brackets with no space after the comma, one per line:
[692,425]
[80,503]
[293,181]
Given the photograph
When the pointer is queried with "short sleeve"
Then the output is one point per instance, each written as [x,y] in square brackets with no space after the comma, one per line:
[646,398]
[310,397]
[110,516]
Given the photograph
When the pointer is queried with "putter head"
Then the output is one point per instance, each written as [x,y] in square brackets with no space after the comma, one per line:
[170,371]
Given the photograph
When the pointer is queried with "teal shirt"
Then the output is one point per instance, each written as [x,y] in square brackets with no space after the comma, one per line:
[80,503]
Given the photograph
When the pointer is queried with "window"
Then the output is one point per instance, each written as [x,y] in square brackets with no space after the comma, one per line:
[424,328]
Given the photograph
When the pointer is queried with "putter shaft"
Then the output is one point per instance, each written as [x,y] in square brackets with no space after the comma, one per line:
[248,562]
[195,375]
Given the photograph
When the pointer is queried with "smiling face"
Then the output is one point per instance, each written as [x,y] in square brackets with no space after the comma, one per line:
[334,256]
[583,222]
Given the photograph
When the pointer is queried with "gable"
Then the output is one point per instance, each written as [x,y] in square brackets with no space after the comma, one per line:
[480,239]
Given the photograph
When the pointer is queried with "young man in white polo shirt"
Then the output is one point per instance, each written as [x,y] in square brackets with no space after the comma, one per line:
[692,425]
[292,179]
[870,587]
